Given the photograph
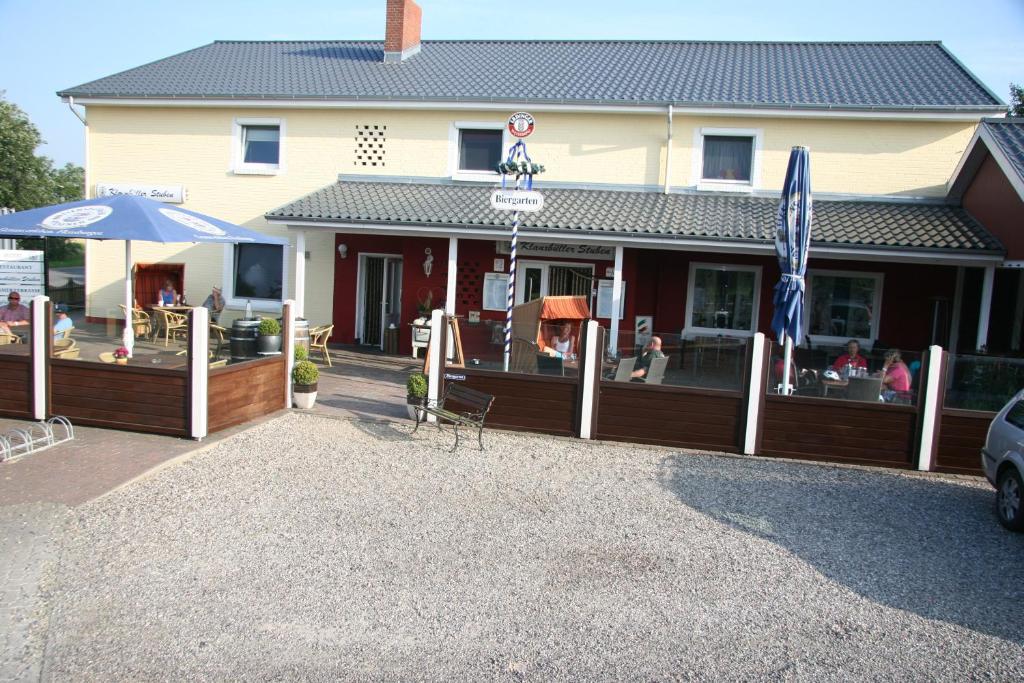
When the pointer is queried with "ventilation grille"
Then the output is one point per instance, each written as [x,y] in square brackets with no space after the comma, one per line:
[370,141]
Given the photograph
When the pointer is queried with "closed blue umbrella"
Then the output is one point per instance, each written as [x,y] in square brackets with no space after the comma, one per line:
[792,244]
[127,218]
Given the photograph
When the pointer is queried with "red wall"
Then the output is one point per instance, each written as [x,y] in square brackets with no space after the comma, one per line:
[992,200]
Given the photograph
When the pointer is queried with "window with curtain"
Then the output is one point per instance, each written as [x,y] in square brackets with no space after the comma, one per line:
[261,144]
[479,150]
[723,299]
[727,157]
[259,271]
[843,305]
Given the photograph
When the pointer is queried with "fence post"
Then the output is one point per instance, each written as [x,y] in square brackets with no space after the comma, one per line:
[435,352]
[930,407]
[288,348]
[198,371]
[590,376]
[755,394]
[42,339]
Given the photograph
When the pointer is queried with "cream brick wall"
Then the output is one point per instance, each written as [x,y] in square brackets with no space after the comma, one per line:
[193,147]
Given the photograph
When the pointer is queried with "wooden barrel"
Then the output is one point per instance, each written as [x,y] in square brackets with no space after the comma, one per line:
[243,339]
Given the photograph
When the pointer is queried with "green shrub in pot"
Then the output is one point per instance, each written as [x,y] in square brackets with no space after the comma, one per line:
[301,353]
[269,339]
[304,384]
[416,388]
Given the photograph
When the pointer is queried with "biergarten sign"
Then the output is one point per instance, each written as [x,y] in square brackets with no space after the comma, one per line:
[21,271]
[170,194]
[517,200]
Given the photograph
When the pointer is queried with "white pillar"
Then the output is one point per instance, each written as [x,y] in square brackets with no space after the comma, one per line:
[754,392]
[593,359]
[128,338]
[986,306]
[289,350]
[199,371]
[40,333]
[453,267]
[933,394]
[958,304]
[300,274]
[613,336]
[436,353]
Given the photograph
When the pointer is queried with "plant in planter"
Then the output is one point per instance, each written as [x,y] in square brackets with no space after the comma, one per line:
[121,355]
[269,340]
[304,378]
[415,393]
[301,353]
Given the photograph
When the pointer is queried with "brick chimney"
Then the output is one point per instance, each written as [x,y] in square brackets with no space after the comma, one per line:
[402,35]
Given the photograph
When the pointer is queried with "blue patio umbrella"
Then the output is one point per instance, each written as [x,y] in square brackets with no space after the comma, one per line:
[792,244]
[127,218]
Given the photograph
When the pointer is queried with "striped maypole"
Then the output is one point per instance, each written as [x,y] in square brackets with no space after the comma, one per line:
[511,292]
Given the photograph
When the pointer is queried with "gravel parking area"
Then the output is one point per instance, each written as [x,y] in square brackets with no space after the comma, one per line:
[326,549]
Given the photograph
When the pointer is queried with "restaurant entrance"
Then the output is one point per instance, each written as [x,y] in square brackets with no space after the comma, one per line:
[378,297]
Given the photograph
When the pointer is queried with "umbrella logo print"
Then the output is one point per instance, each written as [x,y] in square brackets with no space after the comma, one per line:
[78,217]
[193,222]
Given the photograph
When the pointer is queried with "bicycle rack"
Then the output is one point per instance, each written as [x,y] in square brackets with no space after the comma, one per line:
[38,436]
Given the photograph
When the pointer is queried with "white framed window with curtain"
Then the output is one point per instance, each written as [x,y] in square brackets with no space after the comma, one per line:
[475,148]
[495,291]
[727,159]
[722,299]
[257,146]
[842,305]
[604,299]
[256,273]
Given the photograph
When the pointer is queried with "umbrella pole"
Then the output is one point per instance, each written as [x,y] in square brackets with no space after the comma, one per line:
[787,359]
[129,305]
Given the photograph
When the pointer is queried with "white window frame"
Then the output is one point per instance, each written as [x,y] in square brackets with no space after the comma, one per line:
[690,330]
[263,305]
[503,277]
[718,185]
[545,274]
[238,166]
[832,340]
[453,149]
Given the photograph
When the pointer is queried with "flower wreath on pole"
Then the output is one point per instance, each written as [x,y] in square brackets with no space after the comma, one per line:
[518,164]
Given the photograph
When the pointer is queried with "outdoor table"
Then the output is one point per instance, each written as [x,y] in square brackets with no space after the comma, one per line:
[837,385]
[160,321]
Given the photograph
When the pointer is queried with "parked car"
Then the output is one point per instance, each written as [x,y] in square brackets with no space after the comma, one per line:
[1002,458]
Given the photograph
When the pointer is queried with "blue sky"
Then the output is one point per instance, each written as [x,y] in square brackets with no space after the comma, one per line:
[54,44]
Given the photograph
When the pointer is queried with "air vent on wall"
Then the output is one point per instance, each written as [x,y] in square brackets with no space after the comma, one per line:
[370,140]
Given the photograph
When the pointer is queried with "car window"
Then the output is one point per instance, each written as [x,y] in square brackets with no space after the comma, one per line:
[1015,415]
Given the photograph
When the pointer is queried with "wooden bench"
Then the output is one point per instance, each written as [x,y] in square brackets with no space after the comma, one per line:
[476,404]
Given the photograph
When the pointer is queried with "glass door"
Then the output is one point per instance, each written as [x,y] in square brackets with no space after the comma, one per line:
[373,300]
[391,296]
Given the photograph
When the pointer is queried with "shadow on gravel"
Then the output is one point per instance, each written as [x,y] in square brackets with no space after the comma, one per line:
[925,545]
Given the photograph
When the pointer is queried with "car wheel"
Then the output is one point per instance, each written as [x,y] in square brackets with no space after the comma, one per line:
[1009,503]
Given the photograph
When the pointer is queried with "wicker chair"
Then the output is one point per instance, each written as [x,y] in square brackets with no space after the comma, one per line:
[9,338]
[217,334]
[66,349]
[173,324]
[318,337]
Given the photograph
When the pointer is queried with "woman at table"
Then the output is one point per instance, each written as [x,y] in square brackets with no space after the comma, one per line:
[563,341]
[852,358]
[895,377]
[168,295]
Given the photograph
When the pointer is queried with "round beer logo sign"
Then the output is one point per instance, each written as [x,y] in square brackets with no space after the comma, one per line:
[78,217]
[193,222]
[520,124]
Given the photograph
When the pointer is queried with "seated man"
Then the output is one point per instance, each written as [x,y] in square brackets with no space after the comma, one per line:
[14,313]
[852,357]
[215,304]
[651,351]
[62,322]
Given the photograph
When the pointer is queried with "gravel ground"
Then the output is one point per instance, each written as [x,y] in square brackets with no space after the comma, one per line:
[337,550]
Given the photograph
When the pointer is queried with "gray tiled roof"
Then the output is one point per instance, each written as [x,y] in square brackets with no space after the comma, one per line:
[709,216]
[1009,135]
[892,75]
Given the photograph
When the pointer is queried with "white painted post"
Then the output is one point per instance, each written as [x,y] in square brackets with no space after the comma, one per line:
[985,311]
[40,333]
[754,391]
[453,268]
[199,371]
[613,335]
[933,394]
[288,348]
[300,274]
[593,359]
[436,358]
[128,338]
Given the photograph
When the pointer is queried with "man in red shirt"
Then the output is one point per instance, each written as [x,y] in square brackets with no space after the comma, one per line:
[851,357]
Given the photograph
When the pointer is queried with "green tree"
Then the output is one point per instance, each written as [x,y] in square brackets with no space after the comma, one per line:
[1016,107]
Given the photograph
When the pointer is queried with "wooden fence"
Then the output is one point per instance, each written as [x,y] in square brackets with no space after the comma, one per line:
[16,369]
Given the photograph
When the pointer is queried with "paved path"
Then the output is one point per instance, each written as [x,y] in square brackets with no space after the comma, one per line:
[326,549]
[364,385]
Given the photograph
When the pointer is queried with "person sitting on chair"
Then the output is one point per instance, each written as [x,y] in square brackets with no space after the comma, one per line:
[168,295]
[563,342]
[215,304]
[852,357]
[651,351]
[62,323]
[14,313]
[895,377]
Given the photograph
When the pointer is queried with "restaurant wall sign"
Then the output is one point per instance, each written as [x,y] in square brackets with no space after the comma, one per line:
[586,251]
[170,194]
[21,271]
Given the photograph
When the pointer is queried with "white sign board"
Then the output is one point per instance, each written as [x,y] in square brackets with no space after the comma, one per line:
[604,299]
[22,272]
[171,194]
[590,252]
[517,200]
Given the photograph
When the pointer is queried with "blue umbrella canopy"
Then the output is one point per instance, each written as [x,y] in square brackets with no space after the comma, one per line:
[125,217]
[792,243]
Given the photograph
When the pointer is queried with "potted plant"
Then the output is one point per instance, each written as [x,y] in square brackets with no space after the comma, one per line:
[415,393]
[121,355]
[269,339]
[304,378]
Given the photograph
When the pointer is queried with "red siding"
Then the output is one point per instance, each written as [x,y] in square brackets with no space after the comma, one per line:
[992,200]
